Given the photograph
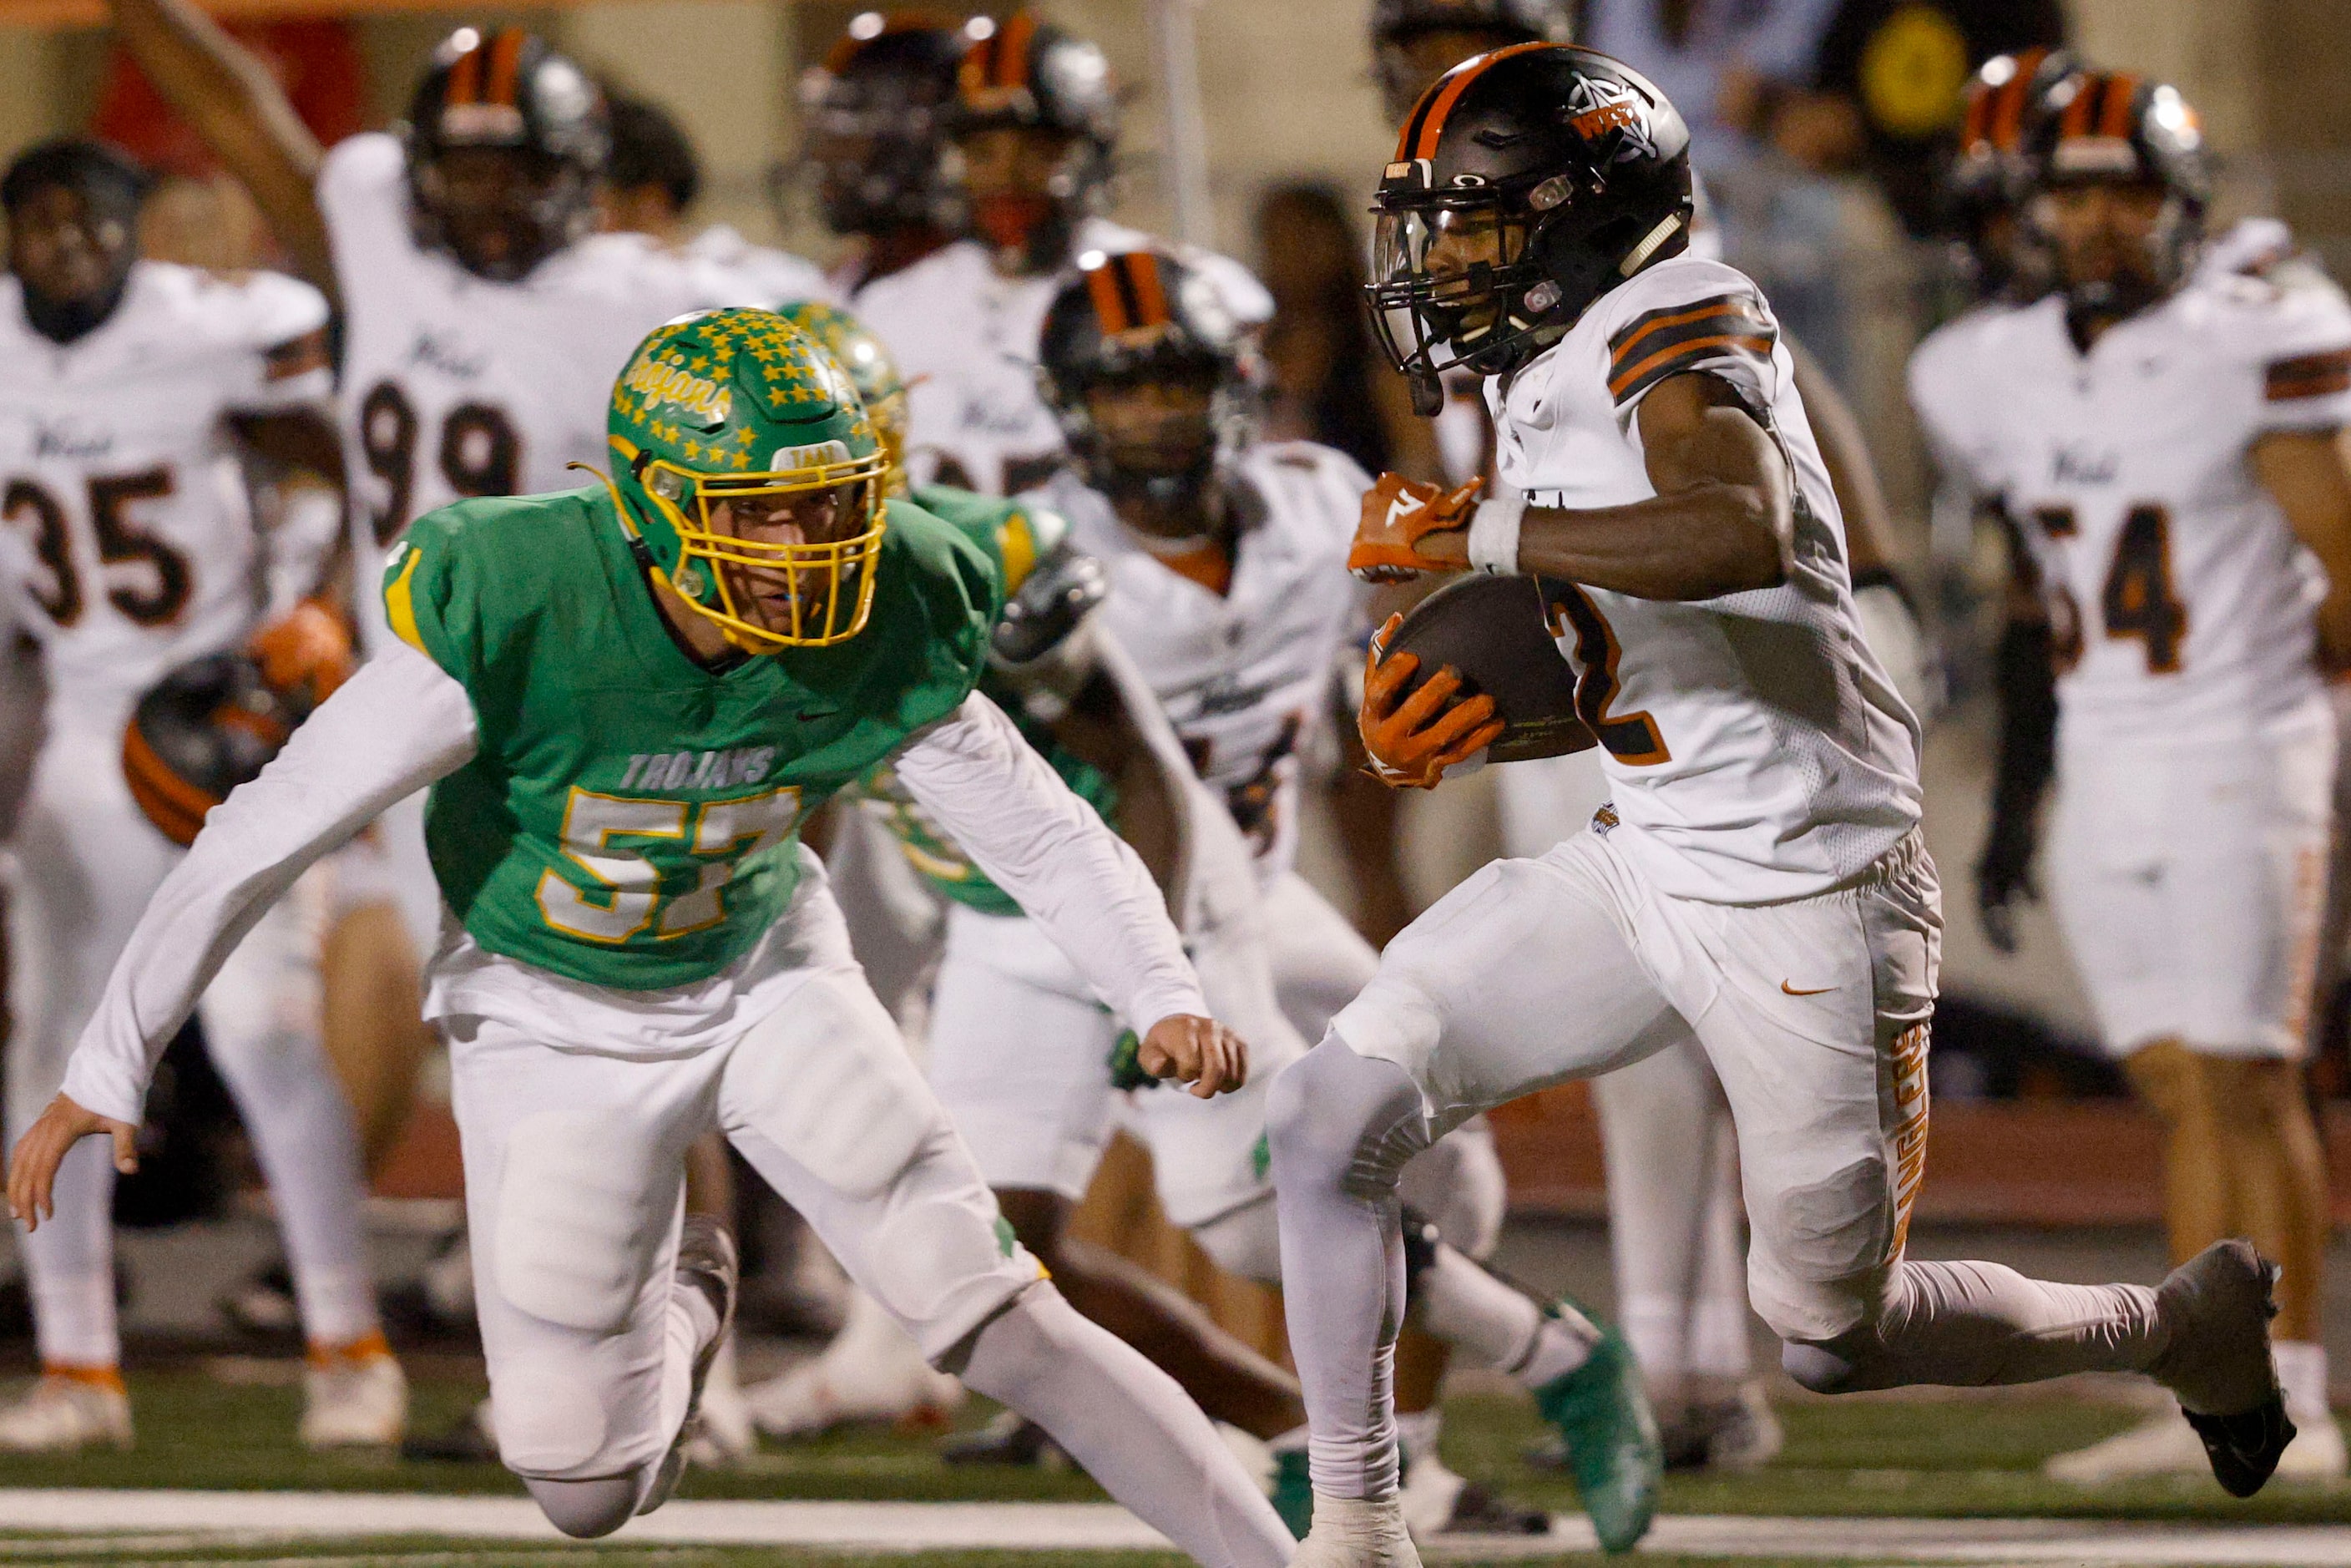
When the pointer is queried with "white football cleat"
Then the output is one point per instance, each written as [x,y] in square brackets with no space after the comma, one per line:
[2163,1445]
[2316,1453]
[1353,1532]
[871,1372]
[354,1402]
[64,1414]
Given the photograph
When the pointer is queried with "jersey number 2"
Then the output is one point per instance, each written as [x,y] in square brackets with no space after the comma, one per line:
[1632,738]
[627,899]
[120,542]
[480,455]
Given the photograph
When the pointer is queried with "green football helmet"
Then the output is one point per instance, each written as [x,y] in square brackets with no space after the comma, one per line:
[718,418]
[871,370]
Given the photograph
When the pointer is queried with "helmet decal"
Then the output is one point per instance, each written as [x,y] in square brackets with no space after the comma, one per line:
[732,414]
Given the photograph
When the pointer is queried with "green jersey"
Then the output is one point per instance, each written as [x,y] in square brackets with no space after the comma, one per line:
[1014,536]
[629,818]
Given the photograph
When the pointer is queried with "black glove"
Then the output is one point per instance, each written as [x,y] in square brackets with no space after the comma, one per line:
[2027,685]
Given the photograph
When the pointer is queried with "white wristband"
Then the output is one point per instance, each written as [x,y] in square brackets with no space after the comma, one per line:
[1494,534]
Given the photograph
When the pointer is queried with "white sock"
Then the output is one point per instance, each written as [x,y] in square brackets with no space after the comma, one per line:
[1658,1330]
[2301,1368]
[1129,1426]
[1718,1346]
[337,1304]
[68,1263]
[1495,1324]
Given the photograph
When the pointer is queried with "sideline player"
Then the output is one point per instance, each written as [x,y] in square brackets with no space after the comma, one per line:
[1760,883]
[1031,134]
[2167,441]
[875,112]
[132,389]
[625,698]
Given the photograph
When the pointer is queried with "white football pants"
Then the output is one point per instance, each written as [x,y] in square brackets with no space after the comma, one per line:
[1674,1221]
[86,860]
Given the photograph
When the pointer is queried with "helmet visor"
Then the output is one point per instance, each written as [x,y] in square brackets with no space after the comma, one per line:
[1443,274]
[781,558]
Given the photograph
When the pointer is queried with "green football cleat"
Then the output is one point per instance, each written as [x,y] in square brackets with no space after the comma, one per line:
[1601,1411]
[1293,1494]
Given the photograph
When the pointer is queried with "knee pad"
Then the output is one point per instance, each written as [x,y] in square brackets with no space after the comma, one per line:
[1845,1364]
[585,1510]
[939,1257]
[1335,1117]
[828,1081]
[1246,1241]
[584,1207]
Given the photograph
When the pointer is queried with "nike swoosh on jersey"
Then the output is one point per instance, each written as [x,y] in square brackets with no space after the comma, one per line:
[1815,991]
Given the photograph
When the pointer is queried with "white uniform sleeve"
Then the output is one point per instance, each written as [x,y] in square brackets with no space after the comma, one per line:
[1038,841]
[1685,315]
[363,196]
[280,323]
[2305,342]
[393,728]
[1944,396]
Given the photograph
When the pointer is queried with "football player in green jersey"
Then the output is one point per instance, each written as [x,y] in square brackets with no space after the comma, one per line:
[625,698]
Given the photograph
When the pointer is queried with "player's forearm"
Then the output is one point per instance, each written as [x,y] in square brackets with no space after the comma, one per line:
[237,107]
[1038,841]
[395,728]
[1699,543]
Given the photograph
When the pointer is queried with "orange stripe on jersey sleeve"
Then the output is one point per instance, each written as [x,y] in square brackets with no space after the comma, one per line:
[1667,341]
[2307,375]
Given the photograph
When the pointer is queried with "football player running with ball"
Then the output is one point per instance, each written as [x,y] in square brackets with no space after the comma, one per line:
[625,698]
[133,389]
[2165,436]
[1761,883]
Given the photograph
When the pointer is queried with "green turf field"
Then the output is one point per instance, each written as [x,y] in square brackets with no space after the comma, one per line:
[1948,1458]
[229,1425]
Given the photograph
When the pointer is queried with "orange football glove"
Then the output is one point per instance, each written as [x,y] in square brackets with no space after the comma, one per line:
[307,647]
[1399,513]
[1408,751]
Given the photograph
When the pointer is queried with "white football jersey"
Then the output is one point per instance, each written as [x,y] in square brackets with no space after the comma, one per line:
[964,338]
[1755,749]
[2179,598]
[127,538]
[454,385]
[1244,676]
[766,275]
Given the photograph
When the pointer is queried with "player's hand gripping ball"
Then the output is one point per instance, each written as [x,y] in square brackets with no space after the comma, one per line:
[1399,513]
[1412,735]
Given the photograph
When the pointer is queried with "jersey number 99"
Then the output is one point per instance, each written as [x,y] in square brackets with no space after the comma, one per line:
[626,897]
[479,453]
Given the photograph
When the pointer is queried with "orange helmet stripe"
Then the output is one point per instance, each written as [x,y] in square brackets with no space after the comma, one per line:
[1142,270]
[465,77]
[2121,88]
[1110,307]
[505,65]
[1427,121]
[1001,59]
[2008,116]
